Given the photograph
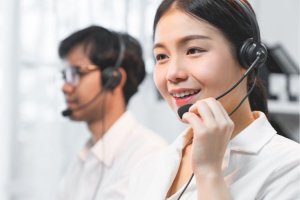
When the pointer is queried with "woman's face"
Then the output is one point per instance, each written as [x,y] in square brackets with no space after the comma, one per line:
[194,61]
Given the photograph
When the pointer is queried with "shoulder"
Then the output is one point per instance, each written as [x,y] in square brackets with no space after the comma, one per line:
[279,152]
[283,148]
[154,160]
[282,157]
[151,165]
[144,141]
[146,137]
[283,164]
[140,142]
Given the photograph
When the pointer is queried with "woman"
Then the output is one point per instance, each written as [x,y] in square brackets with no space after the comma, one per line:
[230,148]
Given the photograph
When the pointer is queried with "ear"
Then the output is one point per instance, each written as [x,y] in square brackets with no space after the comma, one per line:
[242,70]
[124,76]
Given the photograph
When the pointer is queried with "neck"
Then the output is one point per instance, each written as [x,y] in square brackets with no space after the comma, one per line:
[241,118]
[114,109]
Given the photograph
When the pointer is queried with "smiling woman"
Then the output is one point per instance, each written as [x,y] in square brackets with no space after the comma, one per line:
[208,54]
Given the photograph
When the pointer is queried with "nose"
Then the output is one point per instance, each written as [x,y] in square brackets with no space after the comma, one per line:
[176,71]
[68,88]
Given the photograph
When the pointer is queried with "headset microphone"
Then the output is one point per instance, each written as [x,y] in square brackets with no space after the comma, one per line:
[185,108]
[68,112]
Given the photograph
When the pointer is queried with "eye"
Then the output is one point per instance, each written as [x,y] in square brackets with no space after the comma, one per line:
[78,71]
[194,51]
[63,74]
[160,57]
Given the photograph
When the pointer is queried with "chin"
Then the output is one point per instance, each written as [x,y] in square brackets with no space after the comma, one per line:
[76,117]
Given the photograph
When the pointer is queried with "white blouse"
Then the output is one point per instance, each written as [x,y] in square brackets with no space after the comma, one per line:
[101,171]
[258,164]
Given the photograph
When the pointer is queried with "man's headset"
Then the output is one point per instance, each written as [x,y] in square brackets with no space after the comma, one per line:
[110,78]
[253,54]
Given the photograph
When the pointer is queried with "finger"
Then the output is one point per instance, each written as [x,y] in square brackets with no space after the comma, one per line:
[224,111]
[216,109]
[202,109]
[229,122]
[193,120]
[223,121]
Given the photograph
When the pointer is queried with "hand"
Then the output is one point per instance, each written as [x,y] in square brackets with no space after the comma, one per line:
[212,129]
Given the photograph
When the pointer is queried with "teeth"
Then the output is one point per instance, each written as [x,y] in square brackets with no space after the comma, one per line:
[186,93]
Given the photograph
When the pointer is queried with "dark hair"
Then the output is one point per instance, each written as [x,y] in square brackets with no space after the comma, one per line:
[103,47]
[226,16]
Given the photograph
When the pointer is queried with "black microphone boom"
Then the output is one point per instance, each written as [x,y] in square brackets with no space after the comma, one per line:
[185,108]
[66,113]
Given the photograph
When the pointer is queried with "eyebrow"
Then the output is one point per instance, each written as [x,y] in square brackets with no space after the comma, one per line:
[87,67]
[184,40]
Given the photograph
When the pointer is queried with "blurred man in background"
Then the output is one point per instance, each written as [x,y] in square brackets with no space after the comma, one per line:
[104,71]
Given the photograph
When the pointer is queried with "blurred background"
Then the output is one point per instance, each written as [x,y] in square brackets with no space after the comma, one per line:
[37,143]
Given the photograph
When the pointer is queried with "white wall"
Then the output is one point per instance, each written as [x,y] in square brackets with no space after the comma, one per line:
[8,93]
[279,23]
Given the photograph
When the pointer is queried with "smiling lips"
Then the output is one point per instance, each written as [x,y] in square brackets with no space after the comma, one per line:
[184,96]
[71,103]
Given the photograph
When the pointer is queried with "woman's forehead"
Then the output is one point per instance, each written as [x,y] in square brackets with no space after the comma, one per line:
[175,24]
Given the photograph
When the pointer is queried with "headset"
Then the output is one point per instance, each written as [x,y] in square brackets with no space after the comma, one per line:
[252,55]
[252,48]
[110,77]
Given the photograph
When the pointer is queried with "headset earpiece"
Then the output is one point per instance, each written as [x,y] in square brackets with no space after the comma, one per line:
[111,78]
[250,51]
[252,48]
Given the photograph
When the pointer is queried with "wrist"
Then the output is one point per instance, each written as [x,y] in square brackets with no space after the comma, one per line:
[210,178]
[208,173]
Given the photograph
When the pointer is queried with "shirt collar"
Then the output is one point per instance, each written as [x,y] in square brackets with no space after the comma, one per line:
[254,137]
[106,149]
[182,140]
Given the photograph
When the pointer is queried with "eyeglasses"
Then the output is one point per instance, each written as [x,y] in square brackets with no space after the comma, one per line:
[72,74]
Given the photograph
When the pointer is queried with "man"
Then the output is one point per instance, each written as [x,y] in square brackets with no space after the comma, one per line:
[105,70]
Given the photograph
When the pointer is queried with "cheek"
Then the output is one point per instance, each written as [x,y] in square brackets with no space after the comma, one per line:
[216,70]
[89,87]
[206,72]
[159,79]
